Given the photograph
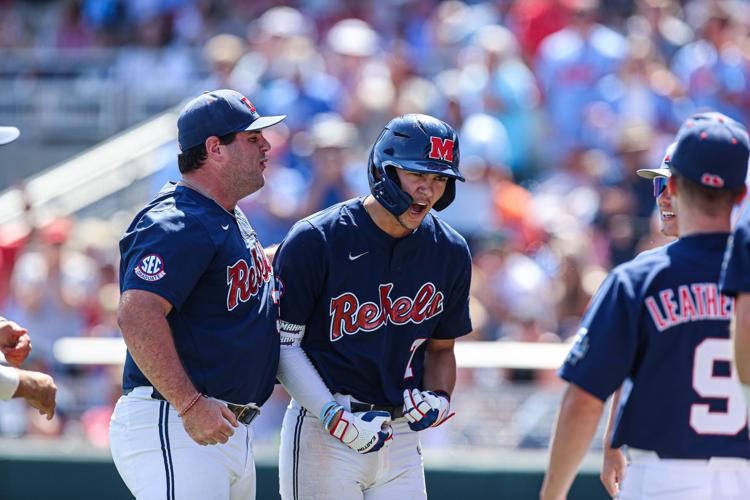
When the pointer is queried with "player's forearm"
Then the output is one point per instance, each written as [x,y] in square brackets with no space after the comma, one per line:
[611,419]
[150,343]
[440,369]
[301,380]
[576,424]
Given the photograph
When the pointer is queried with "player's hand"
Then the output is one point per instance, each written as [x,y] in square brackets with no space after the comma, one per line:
[614,466]
[15,343]
[209,422]
[39,390]
[425,409]
[363,432]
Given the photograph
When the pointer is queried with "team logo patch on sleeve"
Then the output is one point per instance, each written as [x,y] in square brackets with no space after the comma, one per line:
[278,290]
[580,347]
[151,268]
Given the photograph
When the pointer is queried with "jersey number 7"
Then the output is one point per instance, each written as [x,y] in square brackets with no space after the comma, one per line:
[409,373]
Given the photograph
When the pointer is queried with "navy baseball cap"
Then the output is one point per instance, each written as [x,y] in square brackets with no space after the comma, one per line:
[712,150]
[664,168]
[218,113]
[8,134]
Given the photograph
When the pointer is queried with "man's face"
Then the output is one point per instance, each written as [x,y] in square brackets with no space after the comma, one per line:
[425,190]
[247,161]
[667,218]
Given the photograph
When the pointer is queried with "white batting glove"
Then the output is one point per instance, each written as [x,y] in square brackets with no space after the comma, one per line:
[424,409]
[363,432]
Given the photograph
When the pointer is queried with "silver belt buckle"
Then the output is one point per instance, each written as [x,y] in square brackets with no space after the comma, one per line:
[245,413]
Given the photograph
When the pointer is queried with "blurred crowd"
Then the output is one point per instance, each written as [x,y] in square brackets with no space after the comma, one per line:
[557,104]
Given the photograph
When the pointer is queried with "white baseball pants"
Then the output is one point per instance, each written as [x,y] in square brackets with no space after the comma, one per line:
[157,459]
[313,465]
[649,477]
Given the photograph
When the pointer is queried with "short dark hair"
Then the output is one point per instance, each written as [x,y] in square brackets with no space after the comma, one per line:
[709,200]
[193,158]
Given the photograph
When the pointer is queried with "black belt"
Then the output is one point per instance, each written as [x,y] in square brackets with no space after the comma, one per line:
[245,413]
[395,411]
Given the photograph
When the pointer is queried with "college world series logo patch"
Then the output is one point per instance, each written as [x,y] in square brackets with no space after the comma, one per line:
[151,268]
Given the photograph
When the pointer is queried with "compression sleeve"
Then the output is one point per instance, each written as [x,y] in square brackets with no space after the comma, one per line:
[301,380]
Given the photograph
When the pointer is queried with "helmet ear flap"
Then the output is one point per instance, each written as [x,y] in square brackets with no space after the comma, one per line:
[448,196]
[390,171]
[386,187]
[392,186]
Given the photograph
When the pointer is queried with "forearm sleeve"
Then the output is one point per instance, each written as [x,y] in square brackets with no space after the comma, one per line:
[9,380]
[301,380]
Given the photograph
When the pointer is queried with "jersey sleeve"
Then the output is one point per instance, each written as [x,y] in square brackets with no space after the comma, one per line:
[300,266]
[455,320]
[166,253]
[605,348]
[735,271]
[9,380]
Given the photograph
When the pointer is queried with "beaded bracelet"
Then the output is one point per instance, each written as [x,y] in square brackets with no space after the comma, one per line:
[190,404]
[328,412]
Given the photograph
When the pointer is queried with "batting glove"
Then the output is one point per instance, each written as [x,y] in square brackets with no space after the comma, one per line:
[363,432]
[424,409]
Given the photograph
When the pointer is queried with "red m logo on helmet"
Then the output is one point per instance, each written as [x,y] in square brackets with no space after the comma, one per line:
[442,149]
[712,180]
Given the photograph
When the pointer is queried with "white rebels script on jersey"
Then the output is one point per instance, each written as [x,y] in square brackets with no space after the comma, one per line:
[694,302]
[348,316]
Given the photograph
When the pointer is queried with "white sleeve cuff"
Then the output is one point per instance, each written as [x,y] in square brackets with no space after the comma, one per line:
[301,380]
[9,380]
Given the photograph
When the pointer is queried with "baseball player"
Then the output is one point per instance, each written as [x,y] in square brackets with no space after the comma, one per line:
[735,282]
[198,316]
[659,324]
[614,461]
[374,291]
[38,389]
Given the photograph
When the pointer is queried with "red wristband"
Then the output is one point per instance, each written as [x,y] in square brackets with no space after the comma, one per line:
[190,404]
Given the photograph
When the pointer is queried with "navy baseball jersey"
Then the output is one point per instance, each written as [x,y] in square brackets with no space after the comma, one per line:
[211,267]
[370,302]
[735,274]
[660,323]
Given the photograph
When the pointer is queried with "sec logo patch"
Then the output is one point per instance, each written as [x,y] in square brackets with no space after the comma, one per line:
[151,268]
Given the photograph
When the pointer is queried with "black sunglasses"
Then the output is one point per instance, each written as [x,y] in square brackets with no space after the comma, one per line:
[660,184]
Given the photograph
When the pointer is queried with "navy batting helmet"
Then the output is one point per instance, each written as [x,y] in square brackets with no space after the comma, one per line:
[418,143]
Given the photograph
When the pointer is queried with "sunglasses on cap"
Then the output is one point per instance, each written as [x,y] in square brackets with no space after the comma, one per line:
[660,184]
